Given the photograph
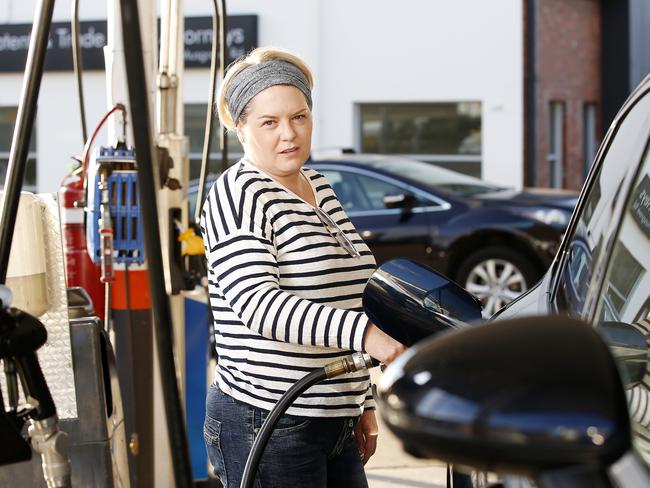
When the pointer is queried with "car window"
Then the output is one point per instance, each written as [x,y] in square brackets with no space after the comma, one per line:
[376,189]
[594,230]
[358,192]
[347,190]
[625,301]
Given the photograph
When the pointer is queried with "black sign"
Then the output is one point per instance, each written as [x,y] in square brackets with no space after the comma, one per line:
[14,43]
[241,38]
[640,207]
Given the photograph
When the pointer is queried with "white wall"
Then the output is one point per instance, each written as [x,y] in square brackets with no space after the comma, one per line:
[360,51]
[427,52]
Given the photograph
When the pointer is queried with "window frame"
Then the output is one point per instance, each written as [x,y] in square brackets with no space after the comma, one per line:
[556,149]
[439,204]
[426,157]
[589,134]
[215,150]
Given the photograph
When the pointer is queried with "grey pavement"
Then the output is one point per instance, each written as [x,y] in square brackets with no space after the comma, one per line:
[391,467]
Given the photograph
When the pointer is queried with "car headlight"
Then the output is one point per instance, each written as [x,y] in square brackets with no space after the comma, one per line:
[549,216]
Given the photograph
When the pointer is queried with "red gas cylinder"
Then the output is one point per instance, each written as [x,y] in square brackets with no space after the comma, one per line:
[80,270]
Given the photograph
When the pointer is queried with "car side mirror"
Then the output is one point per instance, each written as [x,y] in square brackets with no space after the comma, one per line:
[629,347]
[410,301]
[527,396]
[399,200]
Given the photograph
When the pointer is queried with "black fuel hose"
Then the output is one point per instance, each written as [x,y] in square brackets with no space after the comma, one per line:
[149,182]
[346,365]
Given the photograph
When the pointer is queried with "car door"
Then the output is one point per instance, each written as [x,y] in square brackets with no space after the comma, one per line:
[622,304]
[389,232]
[602,273]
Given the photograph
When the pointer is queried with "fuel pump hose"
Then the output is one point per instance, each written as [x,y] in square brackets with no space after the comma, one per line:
[344,365]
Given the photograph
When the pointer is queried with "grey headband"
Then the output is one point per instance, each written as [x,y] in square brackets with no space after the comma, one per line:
[257,77]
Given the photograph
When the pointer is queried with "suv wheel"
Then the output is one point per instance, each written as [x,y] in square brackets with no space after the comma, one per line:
[496,275]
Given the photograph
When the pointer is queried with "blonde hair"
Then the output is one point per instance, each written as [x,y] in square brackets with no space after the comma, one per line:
[256,56]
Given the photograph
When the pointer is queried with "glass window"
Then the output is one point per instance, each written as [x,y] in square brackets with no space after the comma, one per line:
[589,135]
[594,228]
[195,115]
[8,117]
[347,190]
[623,277]
[446,133]
[625,301]
[375,190]
[358,192]
[556,144]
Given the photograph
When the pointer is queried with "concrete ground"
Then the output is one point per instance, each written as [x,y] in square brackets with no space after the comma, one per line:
[391,467]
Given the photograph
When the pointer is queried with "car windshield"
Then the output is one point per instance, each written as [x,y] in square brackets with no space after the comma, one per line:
[436,177]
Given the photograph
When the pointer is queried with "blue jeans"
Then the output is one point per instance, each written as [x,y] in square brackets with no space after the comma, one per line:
[303,452]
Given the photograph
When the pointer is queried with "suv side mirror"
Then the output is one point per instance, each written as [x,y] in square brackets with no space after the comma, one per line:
[410,302]
[529,396]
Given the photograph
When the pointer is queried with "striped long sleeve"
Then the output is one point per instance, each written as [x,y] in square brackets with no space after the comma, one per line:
[285,295]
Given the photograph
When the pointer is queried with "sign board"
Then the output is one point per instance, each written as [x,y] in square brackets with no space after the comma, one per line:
[14,43]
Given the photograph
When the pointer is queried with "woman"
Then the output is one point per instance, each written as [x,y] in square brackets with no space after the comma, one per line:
[286,276]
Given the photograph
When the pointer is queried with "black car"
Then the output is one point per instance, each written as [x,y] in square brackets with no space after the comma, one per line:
[494,241]
[567,402]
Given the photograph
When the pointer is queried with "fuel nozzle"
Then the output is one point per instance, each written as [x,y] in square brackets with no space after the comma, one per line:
[349,364]
[53,445]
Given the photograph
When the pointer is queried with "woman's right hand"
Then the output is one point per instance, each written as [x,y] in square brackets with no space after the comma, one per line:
[381,346]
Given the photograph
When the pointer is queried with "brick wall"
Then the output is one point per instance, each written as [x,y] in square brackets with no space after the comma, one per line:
[568,71]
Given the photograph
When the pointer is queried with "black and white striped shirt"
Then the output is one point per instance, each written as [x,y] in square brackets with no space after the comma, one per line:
[285,295]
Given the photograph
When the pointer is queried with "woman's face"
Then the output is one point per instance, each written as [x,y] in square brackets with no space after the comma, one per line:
[277,133]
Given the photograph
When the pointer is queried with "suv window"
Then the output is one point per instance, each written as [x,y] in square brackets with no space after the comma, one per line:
[625,301]
[594,228]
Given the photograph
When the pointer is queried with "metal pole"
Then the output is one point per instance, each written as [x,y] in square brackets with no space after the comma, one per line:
[223,60]
[23,130]
[78,66]
[209,119]
[149,185]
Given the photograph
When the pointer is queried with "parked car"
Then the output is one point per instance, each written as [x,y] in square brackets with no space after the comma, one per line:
[580,417]
[494,241]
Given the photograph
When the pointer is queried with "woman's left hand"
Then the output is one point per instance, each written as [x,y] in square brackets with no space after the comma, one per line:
[365,433]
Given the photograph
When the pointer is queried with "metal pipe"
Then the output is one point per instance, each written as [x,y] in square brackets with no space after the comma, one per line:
[23,130]
[166,120]
[77,66]
[209,119]
[149,184]
[223,59]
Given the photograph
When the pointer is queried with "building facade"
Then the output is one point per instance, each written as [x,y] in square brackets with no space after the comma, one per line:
[419,78]
[518,92]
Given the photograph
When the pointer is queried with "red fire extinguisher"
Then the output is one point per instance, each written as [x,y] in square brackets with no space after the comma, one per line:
[80,270]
